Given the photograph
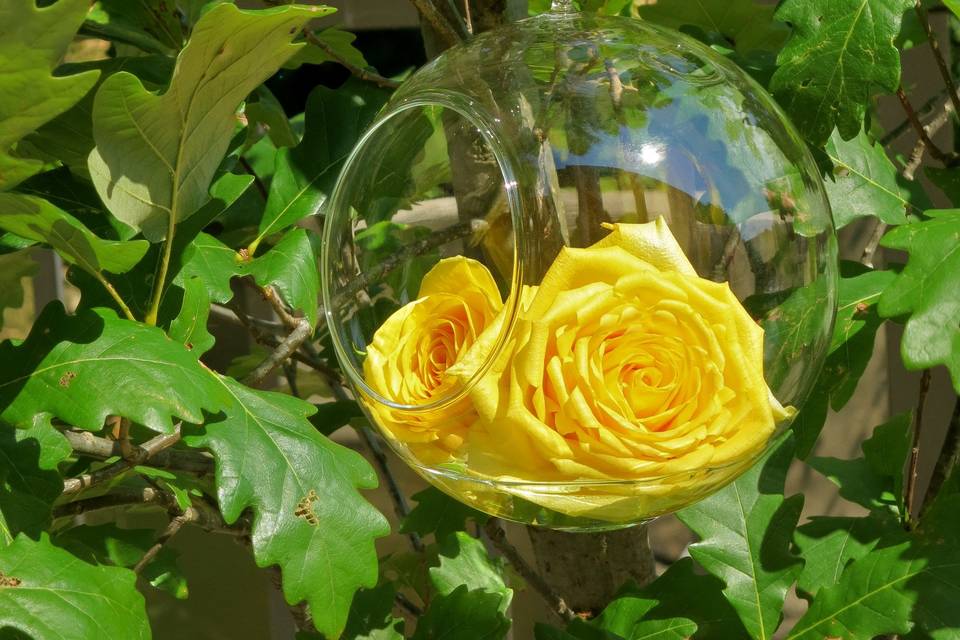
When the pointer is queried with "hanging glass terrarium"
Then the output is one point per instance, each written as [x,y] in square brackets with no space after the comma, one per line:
[580,271]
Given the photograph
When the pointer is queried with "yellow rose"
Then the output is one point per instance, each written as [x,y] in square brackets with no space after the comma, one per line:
[410,354]
[625,365]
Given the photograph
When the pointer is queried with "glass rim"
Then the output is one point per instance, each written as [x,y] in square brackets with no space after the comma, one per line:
[476,117]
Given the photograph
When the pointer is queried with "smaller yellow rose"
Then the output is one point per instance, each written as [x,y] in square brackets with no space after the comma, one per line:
[408,360]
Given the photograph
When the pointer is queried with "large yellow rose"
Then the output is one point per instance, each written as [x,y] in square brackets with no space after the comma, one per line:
[408,359]
[625,365]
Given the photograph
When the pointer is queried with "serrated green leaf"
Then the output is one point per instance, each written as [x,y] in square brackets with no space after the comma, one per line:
[828,544]
[746,25]
[14,267]
[864,182]
[69,136]
[927,290]
[31,95]
[85,367]
[152,25]
[576,630]
[290,267]
[190,326]
[629,614]
[305,174]
[109,544]
[29,481]
[887,449]
[851,348]
[36,219]
[840,53]
[464,561]
[858,482]
[156,155]
[47,591]
[438,513]
[463,615]
[339,41]
[330,416]
[745,530]
[908,585]
[371,615]
[710,610]
[309,516]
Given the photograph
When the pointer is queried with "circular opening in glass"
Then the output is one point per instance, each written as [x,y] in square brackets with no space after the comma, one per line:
[424,212]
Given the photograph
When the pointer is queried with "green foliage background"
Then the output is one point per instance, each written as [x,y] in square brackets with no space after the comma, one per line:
[168,173]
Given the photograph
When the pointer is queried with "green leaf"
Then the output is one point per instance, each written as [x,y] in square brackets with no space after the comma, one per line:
[746,25]
[828,544]
[152,25]
[330,416]
[745,530]
[840,53]
[157,154]
[190,326]
[851,348]
[667,599]
[371,615]
[85,367]
[887,449]
[339,41]
[576,630]
[464,561]
[30,94]
[463,615]
[290,267]
[109,544]
[792,327]
[438,513]
[69,136]
[864,182]
[265,114]
[47,592]
[305,174]
[36,219]
[14,267]
[888,591]
[29,481]
[927,291]
[308,515]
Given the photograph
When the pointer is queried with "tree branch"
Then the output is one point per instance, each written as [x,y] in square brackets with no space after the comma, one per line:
[261,188]
[913,468]
[499,539]
[284,350]
[920,130]
[145,496]
[149,448]
[438,22]
[937,55]
[363,74]
[86,444]
[925,110]
[947,460]
[173,527]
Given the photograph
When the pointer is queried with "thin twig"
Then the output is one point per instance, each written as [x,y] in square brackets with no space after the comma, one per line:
[147,450]
[145,496]
[947,460]
[873,243]
[499,539]
[920,130]
[399,501]
[86,444]
[925,110]
[284,350]
[438,22]
[359,72]
[261,187]
[938,55]
[173,527]
[931,129]
[913,467]
[408,604]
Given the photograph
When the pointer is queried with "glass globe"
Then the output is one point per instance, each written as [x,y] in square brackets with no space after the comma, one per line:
[580,272]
